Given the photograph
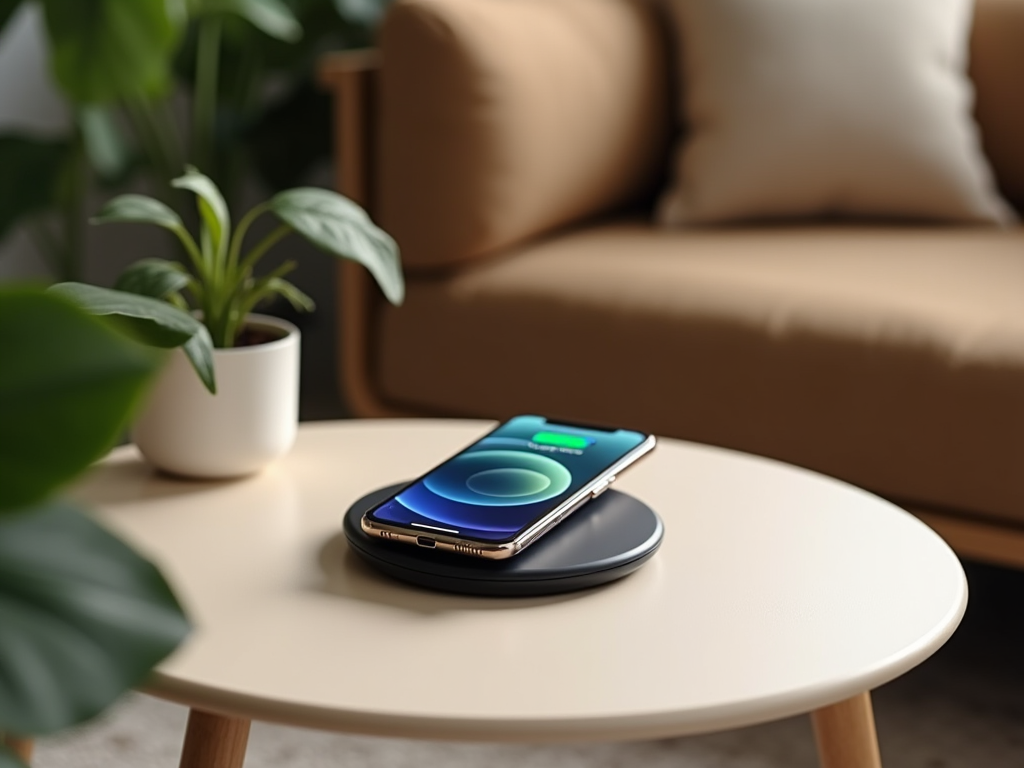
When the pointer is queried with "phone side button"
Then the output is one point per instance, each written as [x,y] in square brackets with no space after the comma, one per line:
[601,488]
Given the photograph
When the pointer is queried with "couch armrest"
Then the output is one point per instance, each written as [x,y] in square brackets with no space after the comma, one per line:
[351,78]
[501,119]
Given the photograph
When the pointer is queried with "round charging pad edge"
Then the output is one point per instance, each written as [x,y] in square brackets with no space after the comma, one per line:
[605,540]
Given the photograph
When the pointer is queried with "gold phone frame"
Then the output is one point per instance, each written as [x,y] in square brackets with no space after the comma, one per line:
[505,549]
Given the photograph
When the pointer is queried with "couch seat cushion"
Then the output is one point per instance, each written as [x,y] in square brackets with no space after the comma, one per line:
[891,357]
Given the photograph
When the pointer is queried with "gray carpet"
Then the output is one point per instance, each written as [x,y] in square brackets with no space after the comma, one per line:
[964,708]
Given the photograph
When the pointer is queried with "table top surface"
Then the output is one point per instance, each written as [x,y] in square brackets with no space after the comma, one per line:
[776,591]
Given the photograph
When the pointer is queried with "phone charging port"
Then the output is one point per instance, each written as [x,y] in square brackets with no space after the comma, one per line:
[426,541]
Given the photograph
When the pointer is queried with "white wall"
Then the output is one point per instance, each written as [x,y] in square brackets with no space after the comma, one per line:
[31,104]
[28,100]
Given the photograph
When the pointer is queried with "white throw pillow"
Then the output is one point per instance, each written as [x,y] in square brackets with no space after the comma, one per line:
[843,107]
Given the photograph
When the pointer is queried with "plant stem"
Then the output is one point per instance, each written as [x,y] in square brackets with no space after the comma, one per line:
[262,247]
[192,250]
[240,232]
[239,285]
[170,132]
[204,114]
[261,289]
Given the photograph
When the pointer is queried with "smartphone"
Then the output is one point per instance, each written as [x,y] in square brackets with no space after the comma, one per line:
[506,490]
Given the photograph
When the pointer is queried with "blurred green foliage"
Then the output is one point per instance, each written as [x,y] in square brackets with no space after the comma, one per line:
[82,616]
[155,85]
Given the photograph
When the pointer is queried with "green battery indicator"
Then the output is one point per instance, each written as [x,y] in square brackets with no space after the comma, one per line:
[562,441]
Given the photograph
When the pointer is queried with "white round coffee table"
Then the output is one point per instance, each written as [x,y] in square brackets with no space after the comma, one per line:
[776,591]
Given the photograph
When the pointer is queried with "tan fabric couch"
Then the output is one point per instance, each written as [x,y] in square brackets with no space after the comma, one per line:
[514,148]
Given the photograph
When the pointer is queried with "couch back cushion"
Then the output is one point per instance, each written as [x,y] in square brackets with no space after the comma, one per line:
[802,108]
[502,120]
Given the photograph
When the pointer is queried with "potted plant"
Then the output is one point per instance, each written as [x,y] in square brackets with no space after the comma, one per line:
[241,411]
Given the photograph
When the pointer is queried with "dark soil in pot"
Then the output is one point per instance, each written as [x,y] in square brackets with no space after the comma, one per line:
[251,336]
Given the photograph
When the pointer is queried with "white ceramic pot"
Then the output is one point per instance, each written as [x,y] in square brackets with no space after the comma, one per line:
[251,421]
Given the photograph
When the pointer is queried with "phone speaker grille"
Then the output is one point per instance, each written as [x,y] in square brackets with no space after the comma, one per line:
[466,550]
[387,535]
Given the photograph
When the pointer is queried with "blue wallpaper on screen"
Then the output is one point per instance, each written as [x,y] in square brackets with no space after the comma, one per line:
[505,481]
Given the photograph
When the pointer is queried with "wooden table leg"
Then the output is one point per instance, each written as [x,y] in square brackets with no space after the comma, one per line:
[214,741]
[20,747]
[846,736]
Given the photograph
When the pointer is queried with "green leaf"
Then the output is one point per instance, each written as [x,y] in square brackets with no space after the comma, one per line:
[149,321]
[105,50]
[158,278]
[146,319]
[84,619]
[7,9]
[104,144]
[68,387]
[31,174]
[138,209]
[339,226]
[199,351]
[212,207]
[8,759]
[272,17]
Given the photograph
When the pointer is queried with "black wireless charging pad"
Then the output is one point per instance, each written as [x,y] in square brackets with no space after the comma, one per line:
[604,540]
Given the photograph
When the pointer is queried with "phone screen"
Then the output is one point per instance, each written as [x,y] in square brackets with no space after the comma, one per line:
[508,479]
